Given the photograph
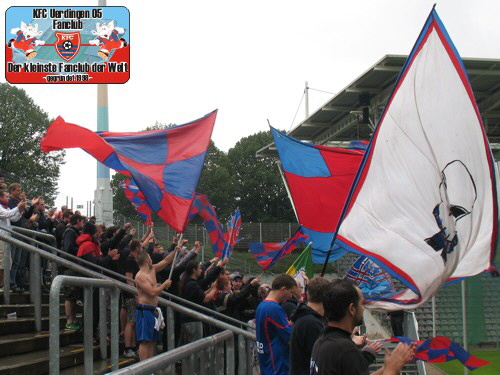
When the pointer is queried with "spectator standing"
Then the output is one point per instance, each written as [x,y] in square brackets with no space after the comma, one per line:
[236,281]
[194,287]
[227,301]
[397,319]
[273,330]
[61,227]
[291,304]
[148,316]
[18,256]
[71,294]
[89,249]
[129,300]
[307,326]
[6,214]
[334,352]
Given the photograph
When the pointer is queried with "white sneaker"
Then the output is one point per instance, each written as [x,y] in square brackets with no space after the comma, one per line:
[129,354]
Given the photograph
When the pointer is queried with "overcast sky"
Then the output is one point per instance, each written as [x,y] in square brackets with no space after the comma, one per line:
[248,59]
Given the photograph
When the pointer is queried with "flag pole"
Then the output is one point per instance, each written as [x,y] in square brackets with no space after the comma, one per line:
[278,163]
[464,318]
[175,258]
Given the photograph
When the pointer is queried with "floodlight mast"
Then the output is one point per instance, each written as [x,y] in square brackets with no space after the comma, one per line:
[103,196]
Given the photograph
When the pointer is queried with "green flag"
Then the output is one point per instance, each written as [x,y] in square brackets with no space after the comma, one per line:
[302,264]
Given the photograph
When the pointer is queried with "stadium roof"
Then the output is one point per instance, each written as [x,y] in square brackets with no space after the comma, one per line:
[352,113]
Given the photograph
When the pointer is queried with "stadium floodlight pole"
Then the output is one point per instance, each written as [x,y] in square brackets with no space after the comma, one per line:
[103,197]
[306,101]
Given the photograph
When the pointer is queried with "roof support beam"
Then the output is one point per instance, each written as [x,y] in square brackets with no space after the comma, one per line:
[363,90]
[338,129]
[310,124]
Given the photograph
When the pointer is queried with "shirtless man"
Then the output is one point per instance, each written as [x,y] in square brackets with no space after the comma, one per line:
[147,302]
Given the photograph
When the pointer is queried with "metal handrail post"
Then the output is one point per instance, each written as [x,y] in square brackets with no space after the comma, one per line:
[6,272]
[103,323]
[37,291]
[88,346]
[31,285]
[54,330]
[215,360]
[204,359]
[115,296]
[249,355]
[230,366]
[48,237]
[170,328]
[55,291]
[242,363]
[170,370]
[160,361]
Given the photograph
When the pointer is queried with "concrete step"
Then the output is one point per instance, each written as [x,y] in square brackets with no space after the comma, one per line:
[24,325]
[37,363]
[409,369]
[24,298]
[29,342]
[27,310]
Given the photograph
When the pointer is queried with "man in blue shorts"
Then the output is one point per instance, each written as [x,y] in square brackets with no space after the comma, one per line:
[148,317]
[273,328]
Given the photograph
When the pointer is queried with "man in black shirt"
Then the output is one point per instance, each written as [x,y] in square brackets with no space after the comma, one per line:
[307,326]
[131,268]
[334,352]
[71,294]
[18,272]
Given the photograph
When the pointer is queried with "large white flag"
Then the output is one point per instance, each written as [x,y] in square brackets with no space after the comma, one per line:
[425,204]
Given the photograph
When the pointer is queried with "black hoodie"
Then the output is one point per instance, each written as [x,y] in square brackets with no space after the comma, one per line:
[307,327]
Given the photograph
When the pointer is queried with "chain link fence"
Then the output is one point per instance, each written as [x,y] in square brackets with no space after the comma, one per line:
[250,232]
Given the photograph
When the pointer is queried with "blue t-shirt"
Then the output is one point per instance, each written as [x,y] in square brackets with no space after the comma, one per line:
[273,336]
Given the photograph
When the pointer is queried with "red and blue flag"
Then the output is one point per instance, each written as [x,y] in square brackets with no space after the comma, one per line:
[202,207]
[165,164]
[232,234]
[135,196]
[319,179]
[442,349]
[268,253]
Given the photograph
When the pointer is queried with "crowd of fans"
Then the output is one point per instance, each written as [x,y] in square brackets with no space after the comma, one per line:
[297,332]
[118,249]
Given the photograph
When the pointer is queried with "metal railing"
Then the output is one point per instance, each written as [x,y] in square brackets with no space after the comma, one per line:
[35,271]
[410,328]
[195,358]
[29,236]
[88,285]
[245,338]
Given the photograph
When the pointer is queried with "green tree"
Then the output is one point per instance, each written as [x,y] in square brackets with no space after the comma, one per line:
[121,205]
[257,188]
[22,125]
[216,182]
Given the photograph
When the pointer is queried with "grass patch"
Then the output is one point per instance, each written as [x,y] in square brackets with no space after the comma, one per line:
[244,261]
[456,368]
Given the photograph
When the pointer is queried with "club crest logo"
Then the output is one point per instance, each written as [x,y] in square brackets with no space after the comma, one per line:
[67,44]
